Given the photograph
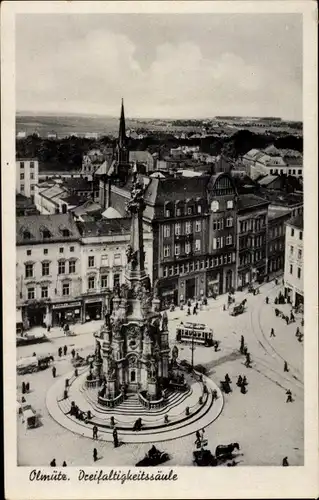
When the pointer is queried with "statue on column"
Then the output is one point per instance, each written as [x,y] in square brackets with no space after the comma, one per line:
[111,368]
[164,321]
[174,356]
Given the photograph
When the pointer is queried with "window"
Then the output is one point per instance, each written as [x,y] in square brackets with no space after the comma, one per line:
[192,267]
[31,188]
[91,283]
[31,294]
[116,280]
[197,245]
[197,265]
[198,226]
[32,175]
[65,233]
[46,234]
[22,165]
[117,259]
[29,270]
[230,204]
[167,231]
[45,251]
[61,250]
[29,252]
[165,272]
[65,289]
[177,249]
[21,177]
[177,229]
[229,258]
[189,211]
[91,261]
[22,188]
[229,222]
[31,164]
[104,281]
[187,247]
[291,250]
[300,235]
[45,268]
[199,209]
[72,266]
[299,172]
[299,254]
[271,171]
[171,271]
[291,269]
[61,267]
[167,213]
[299,272]
[214,206]
[292,231]
[71,249]
[104,260]
[229,240]
[188,227]
[167,251]
[178,212]
[44,292]
[176,271]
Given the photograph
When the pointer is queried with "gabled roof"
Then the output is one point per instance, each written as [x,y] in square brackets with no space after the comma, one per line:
[268,179]
[111,213]
[104,227]
[54,224]
[246,201]
[297,222]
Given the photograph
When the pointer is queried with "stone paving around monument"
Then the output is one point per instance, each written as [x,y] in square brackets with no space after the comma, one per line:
[266,427]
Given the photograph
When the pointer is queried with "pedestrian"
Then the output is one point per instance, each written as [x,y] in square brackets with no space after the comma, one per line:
[76,372]
[53,463]
[302,322]
[65,394]
[239,381]
[188,311]
[286,369]
[189,303]
[272,333]
[95,454]
[242,344]
[216,344]
[243,389]
[227,378]
[292,317]
[245,350]
[198,437]
[53,371]
[49,328]
[67,383]
[224,307]
[65,350]
[285,462]
[214,395]
[27,387]
[73,353]
[60,352]
[23,388]
[289,396]
[244,381]
[248,360]
[194,310]
[95,429]
[287,320]
[297,331]
[64,464]
[267,300]
[115,438]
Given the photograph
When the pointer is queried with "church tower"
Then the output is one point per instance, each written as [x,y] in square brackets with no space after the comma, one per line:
[122,153]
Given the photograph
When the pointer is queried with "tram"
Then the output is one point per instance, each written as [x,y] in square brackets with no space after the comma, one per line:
[194,332]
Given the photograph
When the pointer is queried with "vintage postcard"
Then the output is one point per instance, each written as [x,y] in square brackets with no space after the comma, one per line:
[159,228]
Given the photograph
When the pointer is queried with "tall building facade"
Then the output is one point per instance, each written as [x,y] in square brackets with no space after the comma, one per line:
[293,277]
[27,176]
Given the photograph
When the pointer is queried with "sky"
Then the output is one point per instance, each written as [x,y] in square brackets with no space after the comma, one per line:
[164,66]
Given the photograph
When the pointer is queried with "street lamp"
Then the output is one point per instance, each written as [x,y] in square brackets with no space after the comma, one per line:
[193,349]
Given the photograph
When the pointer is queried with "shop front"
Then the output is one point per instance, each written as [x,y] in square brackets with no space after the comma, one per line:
[168,293]
[214,281]
[66,312]
[92,308]
[34,314]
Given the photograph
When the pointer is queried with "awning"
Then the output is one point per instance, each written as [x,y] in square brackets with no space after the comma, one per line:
[18,316]
[167,292]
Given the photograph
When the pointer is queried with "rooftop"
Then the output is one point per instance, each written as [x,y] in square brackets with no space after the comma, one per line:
[104,227]
[275,213]
[296,222]
[45,228]
[249,201]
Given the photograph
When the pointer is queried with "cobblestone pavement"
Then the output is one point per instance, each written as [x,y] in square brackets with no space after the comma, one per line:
[266,427]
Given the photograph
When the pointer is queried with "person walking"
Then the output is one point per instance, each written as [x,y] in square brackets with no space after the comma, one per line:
[289,396]
[287,320]
[194,310]
[286,369]
[248,360]
[285,462]
[73,353]
[239,381]
[267,300]
[60,352]
[272,333]
[23,390]
[53,371]
[64,464]
[242,344]
[188,311]
[53,463]
[243,389]
[95,454]
[297,331]
[227,378]
[95,429]
[65,350]
[244,381]
[292,317]
[115,438]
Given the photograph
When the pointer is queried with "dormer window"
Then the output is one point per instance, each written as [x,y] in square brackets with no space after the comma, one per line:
[65,233]
[46,234]
[26,235]
[230,204]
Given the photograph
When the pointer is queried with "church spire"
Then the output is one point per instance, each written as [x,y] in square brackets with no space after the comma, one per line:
[122,135]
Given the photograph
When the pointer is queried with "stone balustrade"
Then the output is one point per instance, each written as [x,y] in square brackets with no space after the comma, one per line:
[151,404]
[111,402]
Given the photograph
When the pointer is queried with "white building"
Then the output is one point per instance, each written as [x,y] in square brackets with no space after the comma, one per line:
[293,277]
[48,279]
[273,161]
[103,261]
[27,173]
